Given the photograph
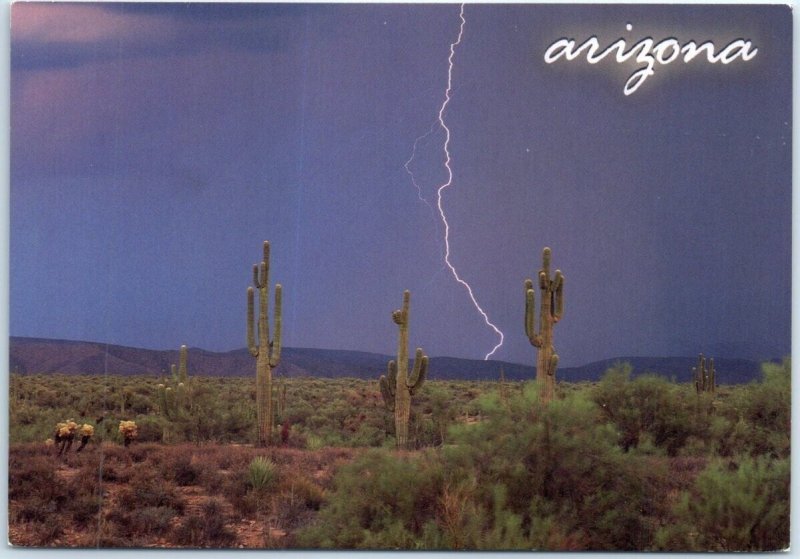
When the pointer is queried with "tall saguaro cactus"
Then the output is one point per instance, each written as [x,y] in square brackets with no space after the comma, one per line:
[173,393]
[397,386]
[267,352]
[551,311]
[181,379]
[181,376]
[704,378]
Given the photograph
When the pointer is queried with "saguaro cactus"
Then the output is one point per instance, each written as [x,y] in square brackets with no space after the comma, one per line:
[397,386]
[704,378]
[551,311]
[182,379]
[173,395]
[267,352]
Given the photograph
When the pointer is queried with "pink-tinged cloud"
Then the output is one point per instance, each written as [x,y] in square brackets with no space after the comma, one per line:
[48,22]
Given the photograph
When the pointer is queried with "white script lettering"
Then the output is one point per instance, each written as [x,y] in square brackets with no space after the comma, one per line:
[648,52]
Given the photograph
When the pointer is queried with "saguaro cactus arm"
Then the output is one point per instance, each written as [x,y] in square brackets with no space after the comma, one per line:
[261,270]
[388,384]
[553,365]
[530,315]
[251,336]
[400,316]
[558,296]
[275,343]
[417,377]
[544,273]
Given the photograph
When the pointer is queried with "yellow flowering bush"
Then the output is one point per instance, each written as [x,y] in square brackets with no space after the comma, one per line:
[66,428]
[87,430]
[129,430]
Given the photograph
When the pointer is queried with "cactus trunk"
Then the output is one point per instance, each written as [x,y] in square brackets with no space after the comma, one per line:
[402,404]
[267,352]
[264,400]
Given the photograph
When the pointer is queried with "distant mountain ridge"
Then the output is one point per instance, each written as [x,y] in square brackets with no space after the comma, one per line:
[36,355]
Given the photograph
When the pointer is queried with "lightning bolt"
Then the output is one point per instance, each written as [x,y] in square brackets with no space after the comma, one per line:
[410,159]
[440,190]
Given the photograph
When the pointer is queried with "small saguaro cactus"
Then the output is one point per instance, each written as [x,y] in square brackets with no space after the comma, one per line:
[267,352]
[172,394]
[704,378]
[397,386]
[551,311]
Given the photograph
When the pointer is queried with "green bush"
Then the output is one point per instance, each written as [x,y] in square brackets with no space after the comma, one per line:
[561,467]
[740,505]
[523,477]
[759,415]
[381,500]
[653,409]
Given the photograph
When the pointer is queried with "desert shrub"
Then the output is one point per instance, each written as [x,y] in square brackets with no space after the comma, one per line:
[151,429]
[653,409]
[759,415]
[235,487]
[191,531]
[152,520]
[298,413]
[32,473]
[86,508]
[297,501]
[46,533]
[740,505]
[238,424]
[210,478]
[314,442]
[145,489]
[182,467]
[367,435]
[381,501]
[523,477]
[140,404]
[47,398]
[206,530]
[25,414]
[302,489]
[559,466]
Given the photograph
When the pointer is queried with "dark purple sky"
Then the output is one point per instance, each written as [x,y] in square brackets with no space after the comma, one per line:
[155,146]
